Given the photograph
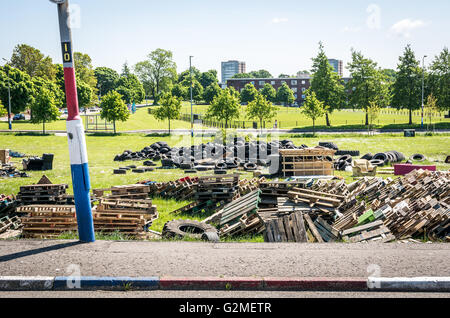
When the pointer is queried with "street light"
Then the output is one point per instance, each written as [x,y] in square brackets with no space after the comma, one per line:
[423,81]
[192,115]
[9,98]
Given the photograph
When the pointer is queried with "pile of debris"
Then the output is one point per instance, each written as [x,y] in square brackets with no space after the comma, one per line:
[10,171]
[181,189]
[217,188]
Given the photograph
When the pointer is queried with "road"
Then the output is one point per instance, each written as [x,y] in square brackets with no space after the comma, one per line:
[191,259]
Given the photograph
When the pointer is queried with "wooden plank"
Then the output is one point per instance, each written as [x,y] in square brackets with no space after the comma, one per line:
[313,228]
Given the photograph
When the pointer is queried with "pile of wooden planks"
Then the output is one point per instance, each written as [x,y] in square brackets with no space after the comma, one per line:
[373,231]
[200,208]
[271,190]
[239,217]
[217,188]
[9,223]
[7,203]
[43,194]
[246,186]
[326,202]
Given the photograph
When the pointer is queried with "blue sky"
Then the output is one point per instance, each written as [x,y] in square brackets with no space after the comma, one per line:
[280,36]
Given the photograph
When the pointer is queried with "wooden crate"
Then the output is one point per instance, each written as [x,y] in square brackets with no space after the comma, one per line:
[306,162]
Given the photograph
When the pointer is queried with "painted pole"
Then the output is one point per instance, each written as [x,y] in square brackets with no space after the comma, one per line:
[192,115]
[75,132]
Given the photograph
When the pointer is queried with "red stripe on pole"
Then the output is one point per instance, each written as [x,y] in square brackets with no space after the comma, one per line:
[71,93]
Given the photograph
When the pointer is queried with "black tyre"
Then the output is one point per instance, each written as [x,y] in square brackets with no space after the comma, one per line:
[221,165]
[249,166]
[377,162]
[417,157]
[367,156]
[220,171]
[119,171]
[353,153]
[330,145]
[181,228]
[381,156]
[346,158]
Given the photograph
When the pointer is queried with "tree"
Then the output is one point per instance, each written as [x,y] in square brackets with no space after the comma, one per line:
[326,84]
[84,70]
[211,92]
[170,108]
[84,93]
[284,76]
[312,107]
[31,61]
[261,108]
[106,79]
[22,90]
[208,78]
[224,107]
[159,71]
[44,108]
[269,92]
[254,74]
[131,89]
[285,95]
[367,84]
[248,94]
[373,111]
[114,108]
[180,91]
[407,88]
[430,108]
[197,89]
[440,80]
[3,111]
[58,95]
[187,74]
[125,70]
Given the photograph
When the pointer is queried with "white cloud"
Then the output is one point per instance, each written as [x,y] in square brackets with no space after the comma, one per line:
[406,26]
[279,20]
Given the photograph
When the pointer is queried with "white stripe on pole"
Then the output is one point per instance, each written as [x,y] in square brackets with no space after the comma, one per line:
[77,142]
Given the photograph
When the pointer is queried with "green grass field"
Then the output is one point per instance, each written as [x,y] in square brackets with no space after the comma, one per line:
[287,118]
[102,150]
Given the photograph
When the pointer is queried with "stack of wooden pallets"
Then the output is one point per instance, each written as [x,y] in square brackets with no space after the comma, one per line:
[133,192]
[217,188]
[182,189]
[43,194]
[130,217]
[326,202]
[307,162]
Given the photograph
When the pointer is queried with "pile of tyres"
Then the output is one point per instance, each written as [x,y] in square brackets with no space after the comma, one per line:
[210,156]
[379,159]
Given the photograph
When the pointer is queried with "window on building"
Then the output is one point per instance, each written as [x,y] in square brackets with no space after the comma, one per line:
[303,82]
[294,89]
[261,83]
[296,96]
[272,83]
[303,89]
[252,82]
[294,82]
[303,96]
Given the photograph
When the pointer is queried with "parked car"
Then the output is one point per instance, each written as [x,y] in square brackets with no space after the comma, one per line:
[19,117]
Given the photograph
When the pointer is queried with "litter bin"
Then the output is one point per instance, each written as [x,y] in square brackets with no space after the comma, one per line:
[409,132]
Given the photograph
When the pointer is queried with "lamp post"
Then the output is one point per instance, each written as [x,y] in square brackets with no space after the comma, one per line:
[75,132]
[192,115]
[9,99]
[423,83]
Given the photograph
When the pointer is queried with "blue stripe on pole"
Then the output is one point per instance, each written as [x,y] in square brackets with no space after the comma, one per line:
[81,188]
[110,283]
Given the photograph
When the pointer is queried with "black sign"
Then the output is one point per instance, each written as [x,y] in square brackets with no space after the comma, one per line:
[67,52]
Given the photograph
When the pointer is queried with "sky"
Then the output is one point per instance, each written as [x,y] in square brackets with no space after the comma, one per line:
[280,36]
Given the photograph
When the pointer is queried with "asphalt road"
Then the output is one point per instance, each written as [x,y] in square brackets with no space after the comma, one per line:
[192,259]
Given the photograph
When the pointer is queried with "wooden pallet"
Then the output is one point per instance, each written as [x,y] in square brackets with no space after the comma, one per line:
[315,198]
[288,228]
